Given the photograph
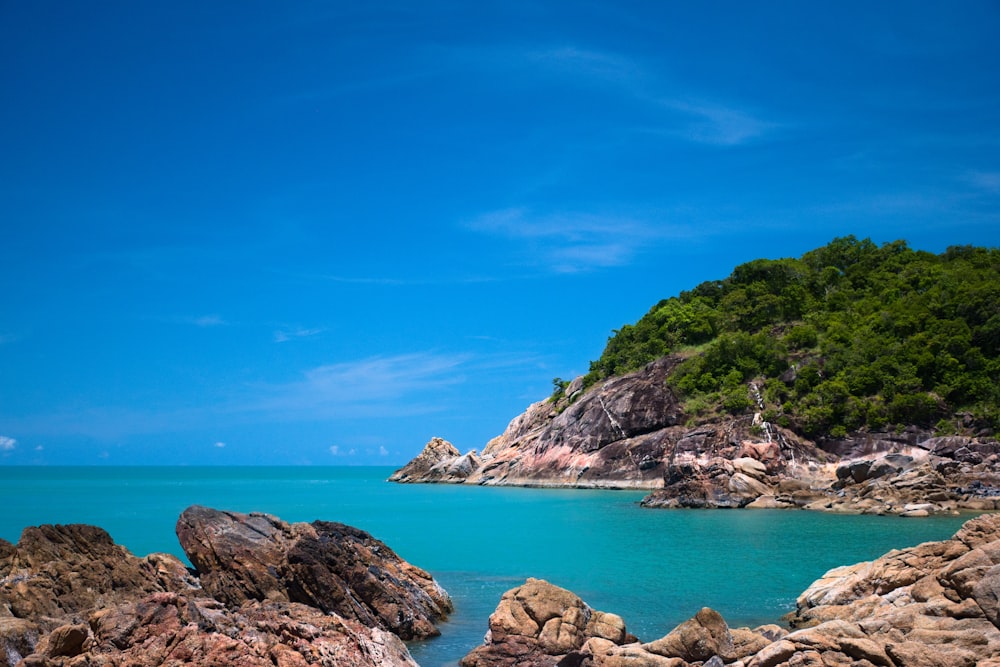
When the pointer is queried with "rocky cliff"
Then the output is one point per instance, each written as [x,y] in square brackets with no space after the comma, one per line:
[263,593]
[933,605]
[632,432]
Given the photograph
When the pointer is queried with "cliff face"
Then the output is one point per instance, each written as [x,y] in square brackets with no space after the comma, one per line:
[631,432]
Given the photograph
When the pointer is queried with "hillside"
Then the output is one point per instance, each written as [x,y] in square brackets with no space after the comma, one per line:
[849,336]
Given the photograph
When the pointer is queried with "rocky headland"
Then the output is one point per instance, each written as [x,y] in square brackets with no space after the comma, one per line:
[932,605]
[262,592]
[632,432]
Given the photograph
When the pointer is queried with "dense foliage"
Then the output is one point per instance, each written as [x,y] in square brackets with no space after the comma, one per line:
[850,335]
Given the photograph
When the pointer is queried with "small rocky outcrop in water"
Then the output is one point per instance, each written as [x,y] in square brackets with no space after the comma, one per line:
[933,605]
[439,461]
[265,593]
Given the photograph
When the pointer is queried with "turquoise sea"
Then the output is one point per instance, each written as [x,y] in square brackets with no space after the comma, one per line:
[655,568]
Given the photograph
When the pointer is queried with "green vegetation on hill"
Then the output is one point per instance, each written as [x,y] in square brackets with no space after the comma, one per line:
[850,335]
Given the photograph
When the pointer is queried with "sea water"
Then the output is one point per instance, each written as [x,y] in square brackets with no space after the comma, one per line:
[655,568]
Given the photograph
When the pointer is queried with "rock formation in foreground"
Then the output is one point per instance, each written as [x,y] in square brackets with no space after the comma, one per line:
[330,566]
[264,593]
[631,432]
[933,605]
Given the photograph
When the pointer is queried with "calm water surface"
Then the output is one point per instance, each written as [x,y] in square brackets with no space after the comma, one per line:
[655,568]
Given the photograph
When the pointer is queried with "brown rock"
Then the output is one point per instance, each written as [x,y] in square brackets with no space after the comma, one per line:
[696,640]
[330,566]
[538,624]
[60,572]
[66,640]
[168,629]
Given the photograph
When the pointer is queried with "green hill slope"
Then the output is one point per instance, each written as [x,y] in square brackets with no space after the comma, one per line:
[848,336]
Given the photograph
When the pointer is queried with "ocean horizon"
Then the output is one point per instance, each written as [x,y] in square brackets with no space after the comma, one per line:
[655,568]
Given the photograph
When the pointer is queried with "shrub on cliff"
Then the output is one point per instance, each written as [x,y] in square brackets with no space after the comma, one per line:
[849,335]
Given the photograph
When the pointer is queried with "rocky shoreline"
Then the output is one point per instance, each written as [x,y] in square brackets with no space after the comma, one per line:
[265,592]
[932,605]
[631,433]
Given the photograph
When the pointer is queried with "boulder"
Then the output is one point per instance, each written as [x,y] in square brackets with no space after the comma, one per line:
[697,640]
[329,566]
[538,624]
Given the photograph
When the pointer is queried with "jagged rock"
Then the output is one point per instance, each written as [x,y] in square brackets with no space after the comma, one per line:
[171,629]
[57,574]
[615,435]
[439,461]
[916,604]
[330,566]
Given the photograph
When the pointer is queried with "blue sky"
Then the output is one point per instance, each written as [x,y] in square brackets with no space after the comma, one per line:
[305,233]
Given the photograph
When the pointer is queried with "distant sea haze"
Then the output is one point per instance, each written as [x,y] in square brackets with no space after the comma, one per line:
[655,568]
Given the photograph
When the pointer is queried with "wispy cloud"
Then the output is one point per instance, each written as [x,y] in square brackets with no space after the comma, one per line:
[606,67]
[576,242]
[684,112]
[717,124]
[208,321]
[369,386]
[285,335]
[986,181]
[380,387]
[7,338]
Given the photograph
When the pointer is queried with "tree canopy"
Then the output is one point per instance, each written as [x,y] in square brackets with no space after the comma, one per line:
[849,335]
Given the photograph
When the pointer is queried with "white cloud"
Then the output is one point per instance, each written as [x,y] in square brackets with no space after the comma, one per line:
[220,444]
[7,444]
[382,451]
[335,450]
